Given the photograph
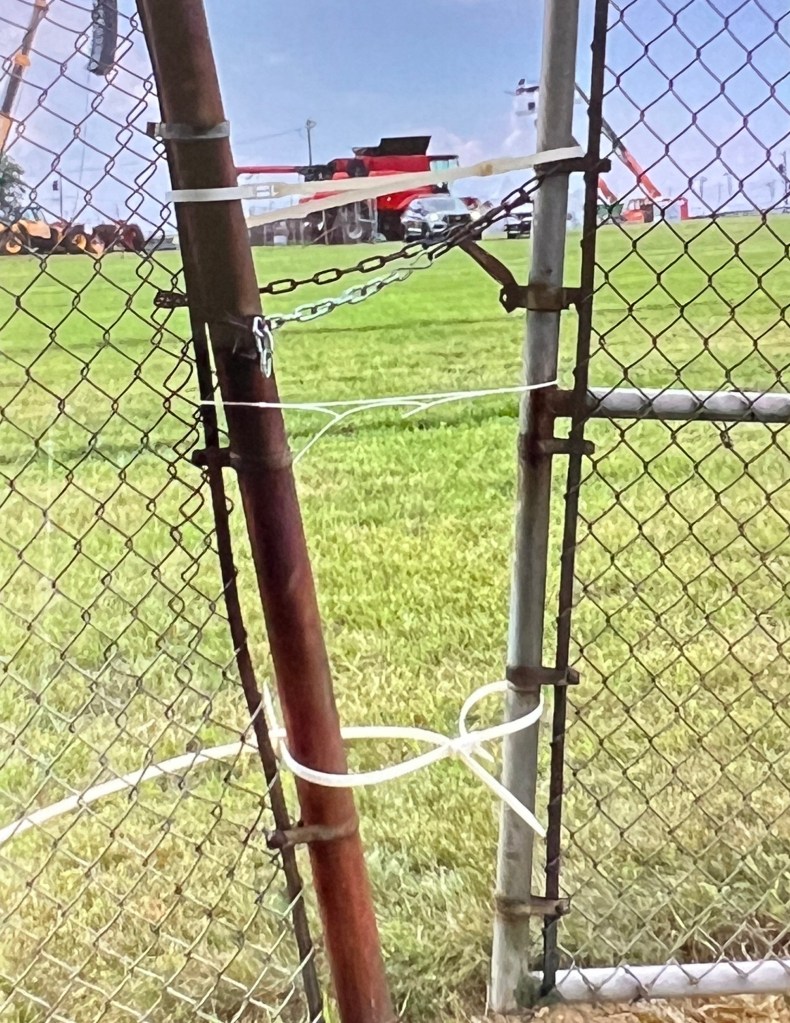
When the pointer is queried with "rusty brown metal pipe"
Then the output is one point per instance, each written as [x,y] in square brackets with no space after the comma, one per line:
[221,284]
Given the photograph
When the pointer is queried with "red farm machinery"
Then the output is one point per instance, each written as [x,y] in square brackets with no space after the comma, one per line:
[383,216]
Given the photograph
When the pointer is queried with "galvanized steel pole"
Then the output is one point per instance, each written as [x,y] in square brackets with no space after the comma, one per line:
[223,293]
[512,985]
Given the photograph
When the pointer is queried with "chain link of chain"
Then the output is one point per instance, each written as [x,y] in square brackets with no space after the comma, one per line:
[370,264]
[351,296]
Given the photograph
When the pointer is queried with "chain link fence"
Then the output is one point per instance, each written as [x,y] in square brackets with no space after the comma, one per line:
[678,801]
[160,901]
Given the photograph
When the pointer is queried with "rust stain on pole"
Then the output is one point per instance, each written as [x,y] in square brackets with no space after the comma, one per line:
[222,286]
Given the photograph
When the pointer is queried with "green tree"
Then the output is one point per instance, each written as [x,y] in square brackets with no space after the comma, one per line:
[12,188]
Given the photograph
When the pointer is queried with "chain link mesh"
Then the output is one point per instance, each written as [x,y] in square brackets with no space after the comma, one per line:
[678,801]
[162,903]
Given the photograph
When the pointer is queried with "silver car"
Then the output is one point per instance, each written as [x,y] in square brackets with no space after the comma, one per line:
[431,217]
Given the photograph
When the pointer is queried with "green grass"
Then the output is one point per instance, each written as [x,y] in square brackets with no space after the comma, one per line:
[116,653]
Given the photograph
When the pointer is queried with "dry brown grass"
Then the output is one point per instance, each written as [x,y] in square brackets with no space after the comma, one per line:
[751,1009]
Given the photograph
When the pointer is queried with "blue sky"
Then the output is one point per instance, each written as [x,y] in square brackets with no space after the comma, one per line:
[440,67]
[363,70]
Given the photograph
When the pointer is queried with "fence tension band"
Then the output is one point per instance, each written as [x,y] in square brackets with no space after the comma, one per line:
[564,446]
[186,132]
[224,458]
[529,448]
[170,300]
[540,298]
[308,834]
[537,905]
[529,679]
[573,164]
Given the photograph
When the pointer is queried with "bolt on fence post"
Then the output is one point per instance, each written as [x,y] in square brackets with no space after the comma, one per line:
[511,984]
[223,291]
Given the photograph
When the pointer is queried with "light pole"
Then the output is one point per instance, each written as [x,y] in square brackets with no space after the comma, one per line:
[309,125]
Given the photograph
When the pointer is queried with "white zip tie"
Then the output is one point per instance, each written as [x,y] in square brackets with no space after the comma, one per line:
[352,406]
[465,746]
[352,190]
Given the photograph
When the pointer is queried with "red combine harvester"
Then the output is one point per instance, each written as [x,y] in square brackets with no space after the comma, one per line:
[384,215]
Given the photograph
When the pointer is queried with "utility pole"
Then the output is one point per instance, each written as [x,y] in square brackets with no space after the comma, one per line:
[511,980]
[309,125]
[222,289]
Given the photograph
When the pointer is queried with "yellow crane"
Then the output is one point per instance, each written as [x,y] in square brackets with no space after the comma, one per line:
[20,63]
[32,232]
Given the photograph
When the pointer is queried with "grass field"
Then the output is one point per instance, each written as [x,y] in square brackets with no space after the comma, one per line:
[116,655]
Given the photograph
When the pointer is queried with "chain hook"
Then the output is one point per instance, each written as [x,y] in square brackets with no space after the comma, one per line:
[264,344]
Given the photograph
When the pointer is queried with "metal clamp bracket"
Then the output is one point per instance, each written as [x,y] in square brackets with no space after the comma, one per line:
[573,164]
[540,298]
[531,678]
[170,300]
[536,906]
[224,458]
[564,446]
[186,132]
[304,834]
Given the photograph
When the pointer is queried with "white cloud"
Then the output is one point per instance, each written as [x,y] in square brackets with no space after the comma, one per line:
[468,150]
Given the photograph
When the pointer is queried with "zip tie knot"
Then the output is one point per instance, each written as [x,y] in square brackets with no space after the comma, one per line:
[465,746]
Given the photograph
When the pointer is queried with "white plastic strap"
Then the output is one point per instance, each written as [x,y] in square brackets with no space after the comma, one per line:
[348,190]
[465,746]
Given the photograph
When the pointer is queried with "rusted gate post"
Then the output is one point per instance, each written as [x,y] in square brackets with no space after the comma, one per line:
[223,293]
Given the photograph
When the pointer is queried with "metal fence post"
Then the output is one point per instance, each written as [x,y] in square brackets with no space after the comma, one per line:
[223,292]
[511,984]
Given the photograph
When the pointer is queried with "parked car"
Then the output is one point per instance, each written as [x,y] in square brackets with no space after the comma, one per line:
[519,225]
[431,217]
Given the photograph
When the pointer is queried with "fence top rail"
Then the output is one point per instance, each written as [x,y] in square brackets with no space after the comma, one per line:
[679,405]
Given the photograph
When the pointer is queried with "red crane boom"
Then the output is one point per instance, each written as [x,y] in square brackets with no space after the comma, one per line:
[626,157]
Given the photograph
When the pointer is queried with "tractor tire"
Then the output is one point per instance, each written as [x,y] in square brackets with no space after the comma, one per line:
[76,242]
[391,227]
[133,238]
[96,247]
[12,243]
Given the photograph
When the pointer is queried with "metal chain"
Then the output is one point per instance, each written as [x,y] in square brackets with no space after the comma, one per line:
[351,296]
[329,275]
